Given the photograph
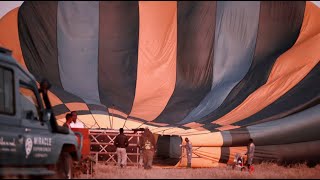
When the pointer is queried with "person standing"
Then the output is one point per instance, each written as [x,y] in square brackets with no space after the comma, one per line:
[250,153]
[148,146]
[68,120]
[188,147]
[140,163]
[121,142]
[75,123]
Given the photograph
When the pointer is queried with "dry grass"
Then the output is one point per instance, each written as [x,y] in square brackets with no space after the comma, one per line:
[262,171]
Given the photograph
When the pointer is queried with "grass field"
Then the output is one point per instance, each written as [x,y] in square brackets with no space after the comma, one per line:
[262,171]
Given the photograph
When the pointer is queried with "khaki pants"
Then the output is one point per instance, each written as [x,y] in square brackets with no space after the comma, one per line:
[250,159]
[122,156]
[148,158]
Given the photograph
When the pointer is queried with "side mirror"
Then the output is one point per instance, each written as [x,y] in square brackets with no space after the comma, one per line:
[30,115]
[46,115]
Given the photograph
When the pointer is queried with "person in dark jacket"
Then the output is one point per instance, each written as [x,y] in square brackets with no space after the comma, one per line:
[148,146]
[68,120]
[121,142]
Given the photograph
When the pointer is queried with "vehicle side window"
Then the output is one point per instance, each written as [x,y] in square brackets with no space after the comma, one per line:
[6,91]
[29,103]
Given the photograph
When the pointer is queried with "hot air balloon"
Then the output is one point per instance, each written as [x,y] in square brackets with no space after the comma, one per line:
[217,72]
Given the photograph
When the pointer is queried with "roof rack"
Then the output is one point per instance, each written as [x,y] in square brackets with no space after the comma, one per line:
[5,51]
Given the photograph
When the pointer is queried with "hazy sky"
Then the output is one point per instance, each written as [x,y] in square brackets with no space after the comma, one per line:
[6,6]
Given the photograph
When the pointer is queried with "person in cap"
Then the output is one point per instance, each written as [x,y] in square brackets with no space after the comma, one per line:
[121,142]
[148,146]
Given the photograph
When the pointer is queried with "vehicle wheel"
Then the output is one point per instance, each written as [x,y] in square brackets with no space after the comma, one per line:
[63,168]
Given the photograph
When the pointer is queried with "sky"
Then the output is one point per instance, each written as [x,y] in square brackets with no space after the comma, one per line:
[6,6]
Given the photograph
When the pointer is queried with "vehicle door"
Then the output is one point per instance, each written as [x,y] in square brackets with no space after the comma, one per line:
[11,139]
[37,135]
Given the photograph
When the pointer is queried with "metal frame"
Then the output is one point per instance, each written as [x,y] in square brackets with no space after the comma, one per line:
[104,139]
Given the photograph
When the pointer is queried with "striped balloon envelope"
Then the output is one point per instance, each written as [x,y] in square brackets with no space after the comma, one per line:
[217,72]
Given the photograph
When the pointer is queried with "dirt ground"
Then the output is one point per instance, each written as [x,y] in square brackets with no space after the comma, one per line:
[261,171]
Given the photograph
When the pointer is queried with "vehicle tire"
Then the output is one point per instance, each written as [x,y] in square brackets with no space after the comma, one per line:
[63,168]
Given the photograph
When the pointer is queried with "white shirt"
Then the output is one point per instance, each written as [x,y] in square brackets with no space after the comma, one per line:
[78,124]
